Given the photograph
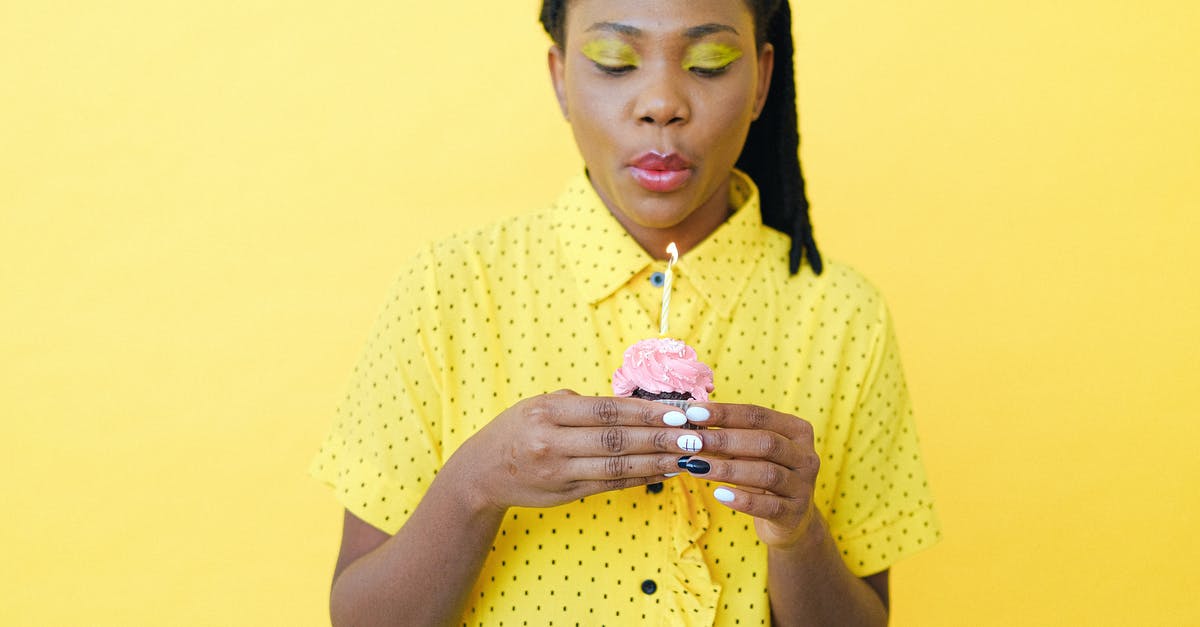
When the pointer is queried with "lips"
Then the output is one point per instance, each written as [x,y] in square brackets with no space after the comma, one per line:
[661,173]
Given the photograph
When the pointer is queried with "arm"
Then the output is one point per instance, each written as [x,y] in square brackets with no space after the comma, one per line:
[422,574]
[810,585]
[545,451]
[769,459]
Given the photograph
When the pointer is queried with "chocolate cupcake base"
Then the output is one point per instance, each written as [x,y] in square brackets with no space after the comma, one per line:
[679,400]
[662,396]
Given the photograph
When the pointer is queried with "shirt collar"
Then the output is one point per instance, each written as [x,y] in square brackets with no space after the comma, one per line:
[604,257]
[722,264]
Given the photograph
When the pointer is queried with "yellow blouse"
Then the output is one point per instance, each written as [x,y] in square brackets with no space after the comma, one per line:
[551,300]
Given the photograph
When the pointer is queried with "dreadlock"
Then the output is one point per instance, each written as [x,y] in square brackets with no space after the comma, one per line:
[771,156]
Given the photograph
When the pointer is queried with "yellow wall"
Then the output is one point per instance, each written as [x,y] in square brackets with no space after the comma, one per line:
[202,205]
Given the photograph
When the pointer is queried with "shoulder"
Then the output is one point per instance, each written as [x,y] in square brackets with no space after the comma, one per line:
[841,277]
[840,289]
[475,271]
[511,238]
[468,255]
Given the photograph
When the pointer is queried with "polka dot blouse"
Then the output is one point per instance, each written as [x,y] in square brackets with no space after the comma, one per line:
[551,300]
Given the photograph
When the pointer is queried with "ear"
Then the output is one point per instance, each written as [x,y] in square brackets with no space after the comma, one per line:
[766,67]
[558,69]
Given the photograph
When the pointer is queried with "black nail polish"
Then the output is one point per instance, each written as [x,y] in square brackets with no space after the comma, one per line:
[697,467]
[682,461]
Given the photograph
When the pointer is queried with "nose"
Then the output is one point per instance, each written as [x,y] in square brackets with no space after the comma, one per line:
[662,102]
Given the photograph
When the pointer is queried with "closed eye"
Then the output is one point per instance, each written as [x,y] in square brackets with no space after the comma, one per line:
[710,59]
[615,70]
[612,56]
[704,71]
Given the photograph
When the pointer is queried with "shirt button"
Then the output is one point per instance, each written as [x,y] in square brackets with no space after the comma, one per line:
[654,488]
[649,587]
[658,279]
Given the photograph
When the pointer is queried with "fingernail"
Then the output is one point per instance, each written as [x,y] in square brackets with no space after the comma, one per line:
[697,414]
[671,474]
[697,467]
[724,495]
[682,461]
[675,419]
[690,443]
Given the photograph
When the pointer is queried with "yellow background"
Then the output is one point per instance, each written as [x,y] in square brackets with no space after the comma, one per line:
[204,203]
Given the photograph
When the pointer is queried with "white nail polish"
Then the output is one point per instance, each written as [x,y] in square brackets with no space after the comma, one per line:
[690,443]
[724,495]
[675,419]
[671,474]
[697,414]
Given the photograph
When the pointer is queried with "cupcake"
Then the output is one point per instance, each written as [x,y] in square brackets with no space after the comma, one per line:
[663,370]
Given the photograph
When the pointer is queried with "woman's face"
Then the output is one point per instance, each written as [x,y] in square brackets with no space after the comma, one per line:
[660,96]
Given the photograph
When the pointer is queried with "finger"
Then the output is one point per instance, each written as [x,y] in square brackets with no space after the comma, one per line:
[571,410]
[769,507]
[618,440]
[621,467]
[751,475]
[758,444]
[586,488]
[753,417]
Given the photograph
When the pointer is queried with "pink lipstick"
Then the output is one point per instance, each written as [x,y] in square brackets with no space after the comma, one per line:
[661,173]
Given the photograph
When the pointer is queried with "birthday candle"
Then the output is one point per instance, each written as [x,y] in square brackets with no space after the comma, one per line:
[666,303]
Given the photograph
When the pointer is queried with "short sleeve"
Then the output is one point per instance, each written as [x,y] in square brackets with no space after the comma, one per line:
[383,450]
[882,509]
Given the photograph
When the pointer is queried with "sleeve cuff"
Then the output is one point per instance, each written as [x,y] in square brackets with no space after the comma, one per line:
[879,549]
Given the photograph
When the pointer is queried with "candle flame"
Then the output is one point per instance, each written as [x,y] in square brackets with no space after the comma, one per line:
[664,318]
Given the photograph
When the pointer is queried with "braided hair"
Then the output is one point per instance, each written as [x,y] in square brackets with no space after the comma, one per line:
[771,156]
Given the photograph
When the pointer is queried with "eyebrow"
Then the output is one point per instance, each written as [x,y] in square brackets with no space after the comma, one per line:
[623,29]
[695,32]
[704,30]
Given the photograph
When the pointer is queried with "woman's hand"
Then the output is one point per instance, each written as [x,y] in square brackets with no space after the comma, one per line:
[559,447]
[770,461]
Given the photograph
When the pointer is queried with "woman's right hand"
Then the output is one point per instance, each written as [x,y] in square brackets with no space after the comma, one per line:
[555,448]
[543,451]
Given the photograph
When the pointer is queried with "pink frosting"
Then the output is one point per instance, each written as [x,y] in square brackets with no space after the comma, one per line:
[663,365]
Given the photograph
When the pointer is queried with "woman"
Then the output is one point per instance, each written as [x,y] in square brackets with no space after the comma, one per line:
[473,496]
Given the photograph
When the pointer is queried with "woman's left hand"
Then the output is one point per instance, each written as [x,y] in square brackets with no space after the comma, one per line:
[770,463]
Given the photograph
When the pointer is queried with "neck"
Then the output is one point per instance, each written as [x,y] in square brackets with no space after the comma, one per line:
[697,226]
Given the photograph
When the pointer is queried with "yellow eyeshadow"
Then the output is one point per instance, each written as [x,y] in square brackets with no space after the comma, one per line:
[611,53]
[711,56]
